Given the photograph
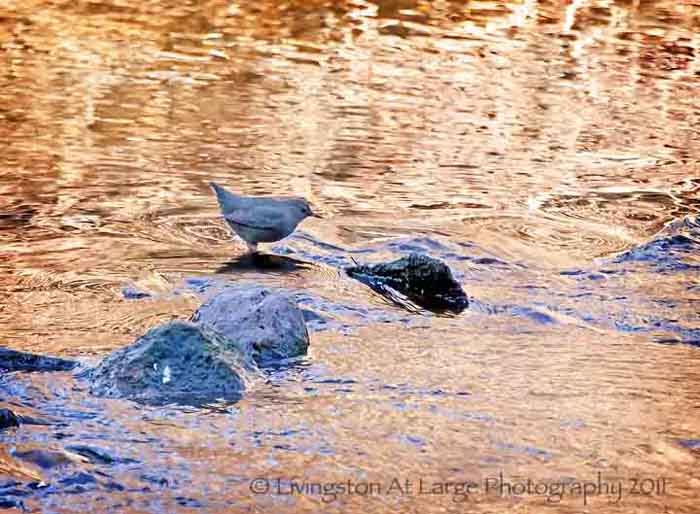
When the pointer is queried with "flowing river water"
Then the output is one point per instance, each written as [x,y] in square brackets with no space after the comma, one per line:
[546,150]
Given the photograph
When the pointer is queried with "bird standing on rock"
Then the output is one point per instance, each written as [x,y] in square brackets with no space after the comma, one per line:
[260,219]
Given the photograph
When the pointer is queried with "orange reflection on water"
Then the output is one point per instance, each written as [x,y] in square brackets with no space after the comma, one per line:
[516,140]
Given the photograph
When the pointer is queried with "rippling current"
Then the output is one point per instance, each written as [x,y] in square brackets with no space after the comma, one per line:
[546,150]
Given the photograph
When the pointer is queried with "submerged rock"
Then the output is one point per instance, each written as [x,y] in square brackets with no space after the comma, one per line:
[132,293]
[674,248]
[8,419]
[177,362]
[44,458]
[13,360]
[266,325]
[426,281]
[96,455]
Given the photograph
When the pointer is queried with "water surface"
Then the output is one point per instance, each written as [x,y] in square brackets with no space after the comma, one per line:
[547,151]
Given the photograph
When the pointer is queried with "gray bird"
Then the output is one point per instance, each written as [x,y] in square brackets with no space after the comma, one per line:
[261,219]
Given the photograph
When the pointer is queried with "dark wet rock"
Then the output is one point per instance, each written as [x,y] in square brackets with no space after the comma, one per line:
[13,360]
[177,362]
[263,324]
[8,419]
[423,280]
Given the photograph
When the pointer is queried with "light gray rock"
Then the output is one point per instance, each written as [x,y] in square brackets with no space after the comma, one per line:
[176,362]
[266,325]
[8,419]
[212,358]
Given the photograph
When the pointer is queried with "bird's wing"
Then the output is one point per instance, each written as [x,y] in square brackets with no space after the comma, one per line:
[261,217]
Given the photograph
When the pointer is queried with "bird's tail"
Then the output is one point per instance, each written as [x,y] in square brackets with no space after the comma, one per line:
[227,200]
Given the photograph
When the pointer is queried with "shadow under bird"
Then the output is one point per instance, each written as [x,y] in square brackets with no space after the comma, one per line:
[261,219]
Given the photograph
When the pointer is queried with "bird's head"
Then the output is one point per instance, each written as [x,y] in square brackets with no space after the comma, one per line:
[302,209]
